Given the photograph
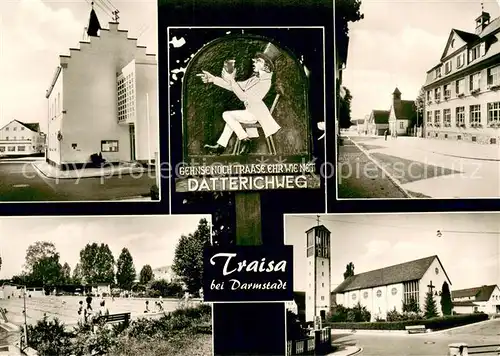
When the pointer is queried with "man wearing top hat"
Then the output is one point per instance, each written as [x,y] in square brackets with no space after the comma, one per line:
[251,92]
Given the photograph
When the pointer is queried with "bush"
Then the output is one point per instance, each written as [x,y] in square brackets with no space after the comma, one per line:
[49,338]
[357,314]
[434,323]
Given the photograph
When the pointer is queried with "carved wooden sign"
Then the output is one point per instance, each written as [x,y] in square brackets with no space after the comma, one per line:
[246,122]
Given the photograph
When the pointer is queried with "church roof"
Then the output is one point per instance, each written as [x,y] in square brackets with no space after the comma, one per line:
[380,116]
[404,109]
[403,272]
[396,91]
[481,294]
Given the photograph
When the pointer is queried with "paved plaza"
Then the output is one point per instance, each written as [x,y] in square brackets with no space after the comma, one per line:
[435,168]
[21,181]
[430,344]
[65,308]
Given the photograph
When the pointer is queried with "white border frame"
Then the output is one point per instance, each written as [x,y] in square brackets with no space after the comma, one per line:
[158,165]
[242,28]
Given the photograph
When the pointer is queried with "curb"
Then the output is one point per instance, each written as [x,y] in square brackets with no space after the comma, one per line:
[91,176]
[391,178]
[357,350]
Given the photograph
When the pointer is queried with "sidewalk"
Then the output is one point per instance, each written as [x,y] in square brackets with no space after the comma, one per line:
[52,172]
[437,168]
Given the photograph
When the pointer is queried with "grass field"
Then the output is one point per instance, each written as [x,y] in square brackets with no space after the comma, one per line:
[65,308]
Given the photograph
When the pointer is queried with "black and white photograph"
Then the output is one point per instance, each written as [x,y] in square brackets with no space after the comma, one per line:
[252,109]
[419,101]
[79,101]
[396,284]
[104,285]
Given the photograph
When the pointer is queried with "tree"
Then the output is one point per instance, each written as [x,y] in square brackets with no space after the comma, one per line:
[344,112]
[66,273]
[349,270]
[125,270]
[411,306]
[38,251]
[47,271]
[430,308]
[419,108]
[77,274]
[97,264]
[188,260]
[146,274]
[167,289]
[446,303]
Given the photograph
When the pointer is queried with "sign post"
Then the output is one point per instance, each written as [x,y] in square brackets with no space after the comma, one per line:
[246,129]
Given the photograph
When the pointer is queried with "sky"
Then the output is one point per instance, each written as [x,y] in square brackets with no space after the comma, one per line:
[397,42]
[373,241]
[150,239]
[33,33]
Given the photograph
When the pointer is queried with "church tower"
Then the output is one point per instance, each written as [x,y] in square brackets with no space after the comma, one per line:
[318,272]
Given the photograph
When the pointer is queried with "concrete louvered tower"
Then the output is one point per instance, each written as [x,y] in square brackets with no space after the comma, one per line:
[318,272]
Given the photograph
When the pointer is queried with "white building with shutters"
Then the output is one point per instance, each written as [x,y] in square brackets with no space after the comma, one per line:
[463,89]
[21,139]
[388,288]
[103,99]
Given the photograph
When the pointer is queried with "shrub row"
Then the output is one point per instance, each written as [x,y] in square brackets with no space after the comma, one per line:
[50,337]
[440,323]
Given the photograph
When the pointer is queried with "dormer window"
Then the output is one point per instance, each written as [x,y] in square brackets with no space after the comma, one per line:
[447,67]
[438,72]
[474,53]
[460,60]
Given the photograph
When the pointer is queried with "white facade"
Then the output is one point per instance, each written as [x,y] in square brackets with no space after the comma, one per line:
[83,102]
[381,299]
[18,139]
[9,291]
[292,306]
[470,304]
[100,289]
[397,126]
[318,273]
[462,91]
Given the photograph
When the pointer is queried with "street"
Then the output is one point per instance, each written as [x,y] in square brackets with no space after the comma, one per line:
[433,344]
[430,168]
[20,181]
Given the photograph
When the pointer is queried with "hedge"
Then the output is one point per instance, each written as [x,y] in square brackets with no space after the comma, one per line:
[439,323]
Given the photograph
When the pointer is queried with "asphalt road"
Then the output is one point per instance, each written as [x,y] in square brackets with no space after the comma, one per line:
[433,344]
[20,181]
[359,177]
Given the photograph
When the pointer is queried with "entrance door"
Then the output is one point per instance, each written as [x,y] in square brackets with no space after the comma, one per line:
[131,129]
[322,313]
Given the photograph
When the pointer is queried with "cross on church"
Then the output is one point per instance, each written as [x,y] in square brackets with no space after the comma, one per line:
[431,287]
[317,219]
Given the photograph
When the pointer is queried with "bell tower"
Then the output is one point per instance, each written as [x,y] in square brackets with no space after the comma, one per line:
[318,272]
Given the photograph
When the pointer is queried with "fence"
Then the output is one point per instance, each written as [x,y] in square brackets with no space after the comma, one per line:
[462,349]
[320,343]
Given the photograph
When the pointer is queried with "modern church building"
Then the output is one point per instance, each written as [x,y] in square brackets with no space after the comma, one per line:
[103,99]
[386,289]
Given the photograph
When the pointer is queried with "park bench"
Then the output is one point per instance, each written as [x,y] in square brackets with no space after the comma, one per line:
[415,329]
[204,328]
[114,318]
